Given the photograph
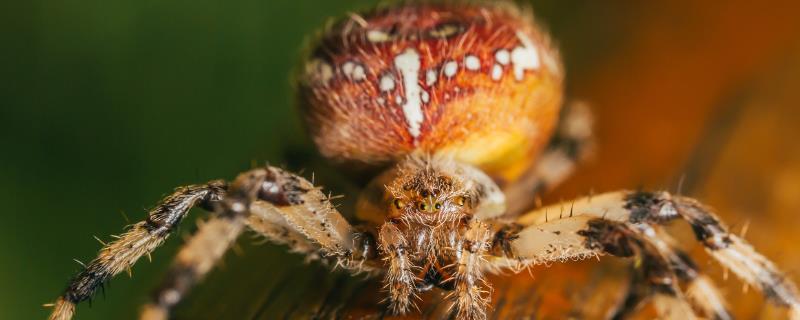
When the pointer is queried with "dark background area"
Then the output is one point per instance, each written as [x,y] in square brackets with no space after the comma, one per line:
[107,106]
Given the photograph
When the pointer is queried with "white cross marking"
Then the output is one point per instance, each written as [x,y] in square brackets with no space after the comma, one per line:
[408,63]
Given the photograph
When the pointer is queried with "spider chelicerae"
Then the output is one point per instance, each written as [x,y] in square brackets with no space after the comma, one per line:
[458,107]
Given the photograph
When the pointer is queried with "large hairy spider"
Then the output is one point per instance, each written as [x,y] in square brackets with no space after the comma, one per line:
[459,105]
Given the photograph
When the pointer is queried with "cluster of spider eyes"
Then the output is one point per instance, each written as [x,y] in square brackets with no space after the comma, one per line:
[427,203]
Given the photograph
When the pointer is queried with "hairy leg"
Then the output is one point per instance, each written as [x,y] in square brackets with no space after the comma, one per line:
[399,273]
[578,237]
[195,259]
[470,292]
[277,204]
[700,290]
[571,143]
[141,239]
[270,221]
[296,208]
[637,294]
[207,246]
[638,208]
[653,278]
[304,209]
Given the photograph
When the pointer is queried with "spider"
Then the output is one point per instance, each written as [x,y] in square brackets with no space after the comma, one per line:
[456,110]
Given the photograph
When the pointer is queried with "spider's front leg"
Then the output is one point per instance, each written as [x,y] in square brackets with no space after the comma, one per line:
[281,206]
[560,232]
[400,279]
[141,239]
[700,289]
[470,289]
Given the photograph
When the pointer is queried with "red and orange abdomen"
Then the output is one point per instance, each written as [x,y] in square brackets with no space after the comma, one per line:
[480,82]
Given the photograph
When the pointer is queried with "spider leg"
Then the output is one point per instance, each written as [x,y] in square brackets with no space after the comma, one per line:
[579,237]
[212,239]
[571,143]
[362,257]
[194,260]
[637,294]
[277,204]
[700,289]
[637,208]
[658,280]
[471,289]
[141,239]
[740,257]
[292,211]
[399,273]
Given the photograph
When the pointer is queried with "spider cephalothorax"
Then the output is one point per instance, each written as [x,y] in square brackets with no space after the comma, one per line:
[427,194]
[459,103]
[427,210]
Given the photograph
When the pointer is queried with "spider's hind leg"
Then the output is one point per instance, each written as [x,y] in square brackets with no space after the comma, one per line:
[652,209]
[699,288]
[655,274]
[700,292]
[141,239]
[575,237]
[652,279]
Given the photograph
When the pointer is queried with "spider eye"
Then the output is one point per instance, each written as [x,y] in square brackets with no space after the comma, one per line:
[424,193]
[460,201]
[398,204]
[437,206]
[424,206]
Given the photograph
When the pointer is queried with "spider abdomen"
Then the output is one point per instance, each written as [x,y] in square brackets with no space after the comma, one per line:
[480,82]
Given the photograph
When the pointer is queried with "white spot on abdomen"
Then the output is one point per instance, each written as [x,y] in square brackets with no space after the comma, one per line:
[387,83]
[525,57]
[408,64]
[347,68]
[502,56]
[430,77]
[359,73]
[450,69]
[319,71]
[378,36]
[353,71]
[472,63]
[497,72]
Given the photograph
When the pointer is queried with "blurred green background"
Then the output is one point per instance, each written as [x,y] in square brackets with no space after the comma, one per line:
[106,106]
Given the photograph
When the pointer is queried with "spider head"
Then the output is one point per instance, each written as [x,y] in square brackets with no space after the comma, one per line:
[429,191]
[428,195]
